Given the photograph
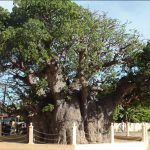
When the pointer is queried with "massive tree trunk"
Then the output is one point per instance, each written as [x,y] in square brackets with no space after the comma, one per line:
[79,105]
[60,121]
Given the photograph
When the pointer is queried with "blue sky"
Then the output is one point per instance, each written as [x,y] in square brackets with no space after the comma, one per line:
[135,12]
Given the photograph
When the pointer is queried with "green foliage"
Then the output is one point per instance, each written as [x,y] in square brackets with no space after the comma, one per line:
[66,25]
[47,108]
[42,84]
[4,16]
[82,44]
[131,114]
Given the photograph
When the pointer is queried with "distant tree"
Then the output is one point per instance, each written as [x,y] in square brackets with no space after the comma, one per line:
[131,114]
[137,108]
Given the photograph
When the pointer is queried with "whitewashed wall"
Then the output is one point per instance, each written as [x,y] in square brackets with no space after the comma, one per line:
[115,146]
[132,127]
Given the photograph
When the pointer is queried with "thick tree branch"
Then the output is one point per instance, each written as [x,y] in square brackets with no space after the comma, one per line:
[54,76]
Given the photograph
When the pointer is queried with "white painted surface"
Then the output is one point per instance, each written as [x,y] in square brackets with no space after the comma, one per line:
[121,146]
[115,146]
[132,127]
[112,133]
[30,134]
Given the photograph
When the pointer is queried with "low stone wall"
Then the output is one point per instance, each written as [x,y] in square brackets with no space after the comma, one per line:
[115,146]
[133,127]
[109,146]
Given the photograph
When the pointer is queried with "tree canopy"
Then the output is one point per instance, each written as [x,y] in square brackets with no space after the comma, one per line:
[85,45]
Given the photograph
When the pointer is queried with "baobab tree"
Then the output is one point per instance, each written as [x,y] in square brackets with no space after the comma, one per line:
[67,66]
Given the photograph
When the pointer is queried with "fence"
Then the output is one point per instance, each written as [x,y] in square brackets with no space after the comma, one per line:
[35,137]
[142,145]
[13,137]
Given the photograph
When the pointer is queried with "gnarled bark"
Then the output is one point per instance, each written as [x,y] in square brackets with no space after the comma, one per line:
[93,116]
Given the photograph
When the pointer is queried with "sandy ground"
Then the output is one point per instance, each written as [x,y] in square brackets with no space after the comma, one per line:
[138,134]
[14,146]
